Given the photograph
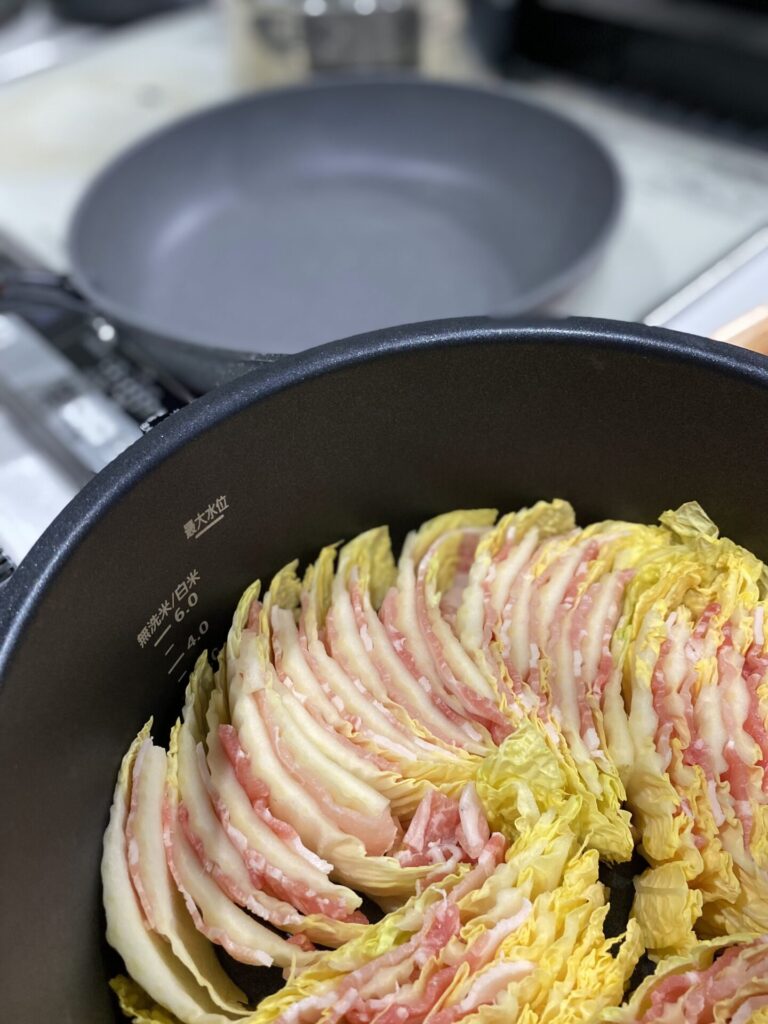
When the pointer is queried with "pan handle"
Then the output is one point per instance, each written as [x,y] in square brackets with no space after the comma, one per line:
[44,287]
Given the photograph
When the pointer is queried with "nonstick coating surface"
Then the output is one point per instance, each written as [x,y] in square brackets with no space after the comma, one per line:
[623,421]
[296,217]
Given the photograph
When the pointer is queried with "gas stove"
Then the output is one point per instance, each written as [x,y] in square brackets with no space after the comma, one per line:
[73,395]
[691,195]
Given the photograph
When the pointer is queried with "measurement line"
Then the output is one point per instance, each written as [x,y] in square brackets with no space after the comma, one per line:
[182,676]
[173,666]
[205,529]
[165,655]
[162,635]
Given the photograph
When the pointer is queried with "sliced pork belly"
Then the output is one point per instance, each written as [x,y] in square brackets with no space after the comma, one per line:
[692,616]
[725,980]
[148,958]
[400,611]
[163,905]
[359,641]
[524,930]
[252,684]
[223,852]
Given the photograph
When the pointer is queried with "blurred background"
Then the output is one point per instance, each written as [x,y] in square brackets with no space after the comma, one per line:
[674,91]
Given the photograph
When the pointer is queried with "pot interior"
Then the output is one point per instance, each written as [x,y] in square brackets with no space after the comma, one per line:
[151,558]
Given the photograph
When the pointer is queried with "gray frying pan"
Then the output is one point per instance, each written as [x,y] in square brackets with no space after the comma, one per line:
[295,217]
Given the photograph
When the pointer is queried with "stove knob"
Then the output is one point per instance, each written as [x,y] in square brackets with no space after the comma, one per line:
[153,421]
[6,567]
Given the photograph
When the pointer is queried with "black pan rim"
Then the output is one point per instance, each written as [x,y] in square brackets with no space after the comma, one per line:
[21,596]
[198,346]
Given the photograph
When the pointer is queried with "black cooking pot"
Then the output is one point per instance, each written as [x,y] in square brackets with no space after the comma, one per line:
[623,420]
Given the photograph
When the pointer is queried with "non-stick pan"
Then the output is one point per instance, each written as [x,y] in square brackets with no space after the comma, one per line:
[292,218]
[624,421]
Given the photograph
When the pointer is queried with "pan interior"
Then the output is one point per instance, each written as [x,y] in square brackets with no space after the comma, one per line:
[292,219]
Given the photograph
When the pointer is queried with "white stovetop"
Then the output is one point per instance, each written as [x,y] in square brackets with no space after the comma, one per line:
[688,198]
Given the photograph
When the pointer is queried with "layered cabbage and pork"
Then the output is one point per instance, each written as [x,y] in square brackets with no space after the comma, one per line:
[399,781]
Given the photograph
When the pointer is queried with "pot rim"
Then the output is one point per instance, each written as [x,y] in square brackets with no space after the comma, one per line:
[20,596]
